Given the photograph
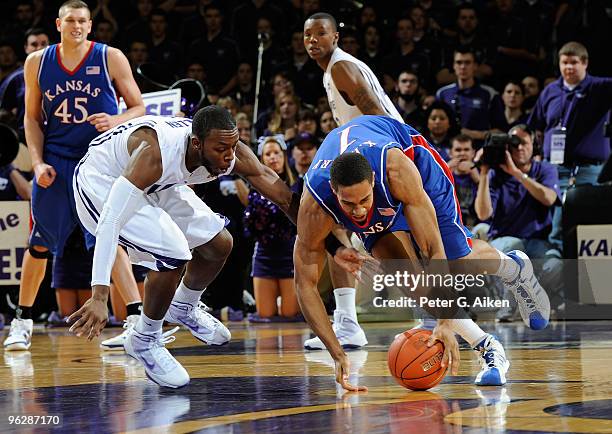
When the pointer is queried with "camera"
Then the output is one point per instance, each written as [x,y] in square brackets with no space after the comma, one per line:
[494,149]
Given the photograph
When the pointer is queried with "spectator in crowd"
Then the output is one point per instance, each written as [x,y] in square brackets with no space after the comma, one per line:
[274,55]
[8,61]
[243,123]
[441,127]
[465,176]
[367,15]
[371,52]
[139,28]
[303,149]
[196,71]
[194,27]
[513,97]
[104,32]
[244,21]
[304,70]
[12,89]
[518,198]
[477,107]
[571,113]
[307,122]
[162,49]
[281,82]
[426,38]
[327,122]
[532,90]
[13,184]
[244,93]
[137,55]
[217,52]
[322,105]
[348,41]
[229,104]
[285,116]
[469,38]
[404,56]
[408,101]
[275,235]
[514,50]
[102,14]
[23,19]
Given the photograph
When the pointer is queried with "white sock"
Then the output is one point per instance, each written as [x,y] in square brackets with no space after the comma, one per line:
[147,325]
[187,295]
[509,269]
[345,300]
[468,330]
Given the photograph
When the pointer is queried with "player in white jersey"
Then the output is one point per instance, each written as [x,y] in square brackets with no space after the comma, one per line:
[352,90]
[132,189]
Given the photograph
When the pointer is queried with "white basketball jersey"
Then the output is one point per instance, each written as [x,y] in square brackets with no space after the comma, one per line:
[108,153]
[342,111]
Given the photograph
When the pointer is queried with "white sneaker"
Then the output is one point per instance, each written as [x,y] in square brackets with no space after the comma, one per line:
[160,366]
[20,335]
[200,323]
[493,362]
[347,330]
[533,302]
[116,343]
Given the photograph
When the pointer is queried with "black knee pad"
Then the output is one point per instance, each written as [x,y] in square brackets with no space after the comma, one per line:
[39,255]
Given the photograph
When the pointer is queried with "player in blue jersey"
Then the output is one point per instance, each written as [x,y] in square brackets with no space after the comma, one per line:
[76,83]
[380,179]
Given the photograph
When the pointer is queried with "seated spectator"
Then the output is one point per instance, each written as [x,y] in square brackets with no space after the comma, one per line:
[367,15]
[371,52]
[477,107]
[518,198]
[440,128]
[468,37]
[532,91]
[465,175]
[307,122]
[229,104]
[284,118]
[13,184]
[244,93]
[425,37]
[275,235]
[105,32]
[196,71]
[162,49]
[303,149]
[243,123]
[408,101]
[281,82]
[304,70]
[513,97]
[348,41]
[326,122]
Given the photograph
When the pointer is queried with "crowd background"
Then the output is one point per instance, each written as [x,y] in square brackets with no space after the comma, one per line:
[456,71]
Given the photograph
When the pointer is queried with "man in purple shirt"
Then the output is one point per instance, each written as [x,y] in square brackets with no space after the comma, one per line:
[571,113]
[478,107]
[518,199]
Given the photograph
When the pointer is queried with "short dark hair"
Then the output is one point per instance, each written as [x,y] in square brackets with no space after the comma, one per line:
[574,49]
[349,169]
[209,118]
[35,31]
[324,16]
[460,49]
[159,12]
[462,138]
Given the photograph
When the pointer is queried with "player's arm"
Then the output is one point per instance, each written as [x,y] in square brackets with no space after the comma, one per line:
[352,84]
[406,186]
[123,80]
[125,199]
[309,257]
[266,181]
[33,121]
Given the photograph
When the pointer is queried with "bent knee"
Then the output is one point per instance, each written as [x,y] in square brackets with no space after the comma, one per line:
[218,248]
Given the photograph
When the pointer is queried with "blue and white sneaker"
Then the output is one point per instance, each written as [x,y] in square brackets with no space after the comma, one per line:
[493,362]
[200,323]
[116,343]
[347,330]
[160,366]
[532,300]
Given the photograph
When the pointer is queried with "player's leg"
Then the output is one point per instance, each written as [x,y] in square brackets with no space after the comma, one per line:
[266,291]
[211,244]
[289,304]
[186,307]
[67,301]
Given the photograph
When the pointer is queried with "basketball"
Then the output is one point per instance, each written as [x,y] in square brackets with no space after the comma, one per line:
[414,365]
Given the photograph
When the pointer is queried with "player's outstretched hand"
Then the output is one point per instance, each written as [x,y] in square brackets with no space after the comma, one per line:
[92,318]
[44,174]
[343,367]
[444,334]
[102,121]
[350,260]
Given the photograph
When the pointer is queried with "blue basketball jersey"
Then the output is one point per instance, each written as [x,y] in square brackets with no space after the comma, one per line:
[69,97]
[372,137]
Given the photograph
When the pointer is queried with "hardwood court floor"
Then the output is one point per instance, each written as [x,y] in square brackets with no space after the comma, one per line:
[559,381]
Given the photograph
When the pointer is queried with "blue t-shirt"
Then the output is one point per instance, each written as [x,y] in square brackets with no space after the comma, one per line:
[70,97]
[582,111]
[516,213]
[479,107]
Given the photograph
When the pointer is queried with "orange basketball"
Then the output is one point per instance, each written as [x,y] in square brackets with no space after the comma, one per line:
[413,364]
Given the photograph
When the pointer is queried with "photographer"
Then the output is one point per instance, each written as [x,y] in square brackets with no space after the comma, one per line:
[517,193]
